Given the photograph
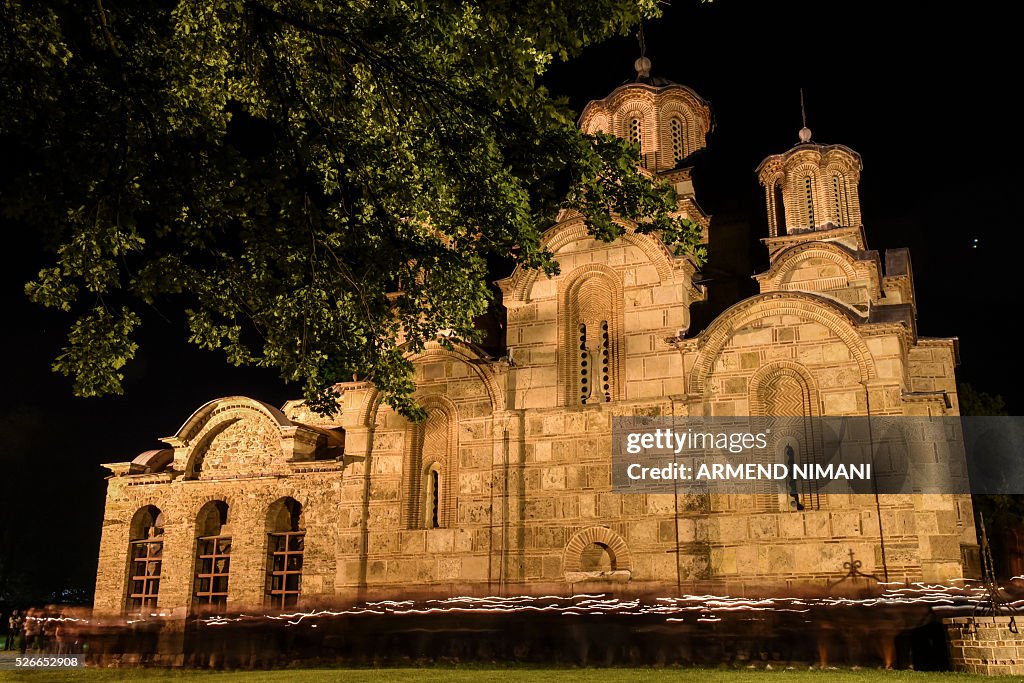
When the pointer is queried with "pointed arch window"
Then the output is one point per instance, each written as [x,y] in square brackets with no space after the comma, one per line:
[213,556]
[678,132]
[286,546]
[145,559]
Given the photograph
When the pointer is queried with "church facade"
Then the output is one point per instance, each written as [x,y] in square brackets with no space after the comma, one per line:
[505,488]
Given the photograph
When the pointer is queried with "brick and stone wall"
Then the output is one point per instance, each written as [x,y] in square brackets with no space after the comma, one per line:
[986,645]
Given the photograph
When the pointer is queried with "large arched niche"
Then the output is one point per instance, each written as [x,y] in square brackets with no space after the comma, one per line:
[253,428]
[431,445]
[519,285]
[590,295]
[808,307]
[596,542]
[475,361]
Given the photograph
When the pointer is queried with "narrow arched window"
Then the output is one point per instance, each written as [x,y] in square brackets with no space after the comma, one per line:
[839,204]
[780,210]
[678,131]
[809,200]
[433,497]
[213,556]
[594,363]
[583,371]
[590,341]
[605,384]
[286,545]
[635,132]
[145,559]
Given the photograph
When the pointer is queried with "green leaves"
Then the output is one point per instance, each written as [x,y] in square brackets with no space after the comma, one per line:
[98,347]
[317,187]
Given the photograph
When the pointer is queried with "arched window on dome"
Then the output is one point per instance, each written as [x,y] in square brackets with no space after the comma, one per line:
[145,559]
[779,204]
[840,204]
[809,200]
[678,131]
[636,132]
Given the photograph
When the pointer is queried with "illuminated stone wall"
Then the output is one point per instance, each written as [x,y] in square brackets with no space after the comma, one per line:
[507,486]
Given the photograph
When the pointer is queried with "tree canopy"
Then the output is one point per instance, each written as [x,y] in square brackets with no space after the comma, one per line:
[316,187]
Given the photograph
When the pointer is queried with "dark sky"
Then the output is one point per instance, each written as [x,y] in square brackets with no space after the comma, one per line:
[925,98]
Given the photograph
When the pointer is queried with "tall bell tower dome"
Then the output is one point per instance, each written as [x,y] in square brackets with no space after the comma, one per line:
[811,187]
[667,120]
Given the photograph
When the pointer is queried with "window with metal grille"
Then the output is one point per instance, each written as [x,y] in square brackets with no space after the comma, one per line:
[809,198]
[635,132]
[285,580]
[286,542]
[213,556]
[678,140]
[145,559]
[213,566]
[146,565]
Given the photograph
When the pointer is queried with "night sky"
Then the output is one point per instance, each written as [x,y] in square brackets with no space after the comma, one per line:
[925,99]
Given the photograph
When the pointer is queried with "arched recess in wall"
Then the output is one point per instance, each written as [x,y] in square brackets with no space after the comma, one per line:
[431,466]
[286,547]
[808,307]
[477,364]
[145,558]
[207,423]
[591,548]
[786,390]
[590,336]
[212,556]
[558,236]
[840,262]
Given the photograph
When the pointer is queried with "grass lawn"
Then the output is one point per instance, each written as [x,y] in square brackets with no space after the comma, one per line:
[501,675]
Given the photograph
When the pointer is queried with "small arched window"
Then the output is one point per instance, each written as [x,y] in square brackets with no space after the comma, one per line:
[636,132]
[809,200]
[286,545]
[780,209]
[594,363]
[839,204]
[145,558]
[432,518]
[213,556]
[678,131]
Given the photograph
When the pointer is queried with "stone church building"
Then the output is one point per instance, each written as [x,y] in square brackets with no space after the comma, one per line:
[506,487]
